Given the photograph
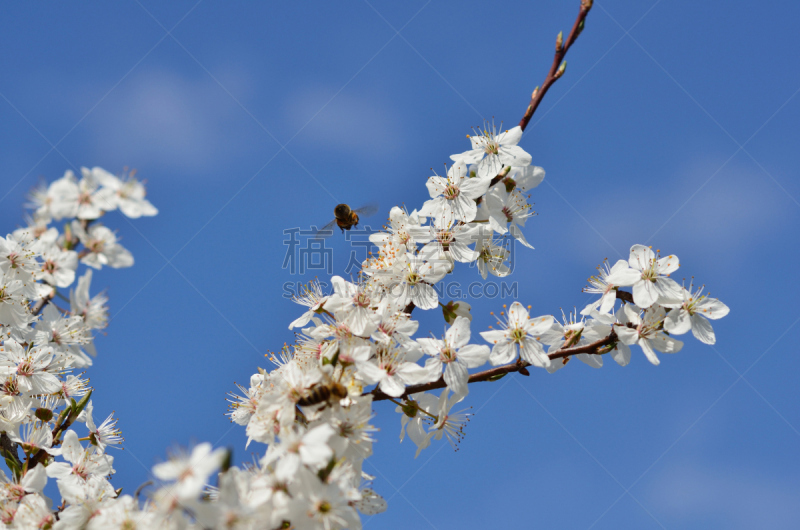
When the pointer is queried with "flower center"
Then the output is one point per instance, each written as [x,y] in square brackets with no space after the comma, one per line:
[96,246]
[451,192]
[448,355]
[25,369]
[518,335]
[361,300]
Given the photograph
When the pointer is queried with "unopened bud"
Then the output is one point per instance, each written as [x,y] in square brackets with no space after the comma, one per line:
[561,69]
[559,41]
[607,348]
[453,310]
[227,461]
[410,408]
[587,4]
[535,91]
[44,414]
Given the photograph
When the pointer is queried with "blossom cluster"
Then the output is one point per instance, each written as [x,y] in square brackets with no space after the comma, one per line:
[353,346]
[43,344]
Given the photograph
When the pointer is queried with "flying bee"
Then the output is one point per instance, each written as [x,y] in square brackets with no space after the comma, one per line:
[345,218]
[328,392]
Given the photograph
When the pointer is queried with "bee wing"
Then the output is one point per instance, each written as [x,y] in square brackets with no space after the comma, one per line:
[368,210]
[371,503]
[325,231]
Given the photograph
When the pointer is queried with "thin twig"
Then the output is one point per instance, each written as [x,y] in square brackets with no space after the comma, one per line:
[556,71]
[40,304]
[594,348]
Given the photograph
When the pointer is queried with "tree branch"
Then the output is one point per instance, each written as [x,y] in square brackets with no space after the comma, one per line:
[625,296]
[41,303]
[594,348]
[556,70]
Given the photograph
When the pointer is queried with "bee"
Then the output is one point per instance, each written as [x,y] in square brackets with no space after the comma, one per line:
[346,218]
[328,392]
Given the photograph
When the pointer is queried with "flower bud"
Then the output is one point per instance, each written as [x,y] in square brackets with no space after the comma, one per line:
[44,414]
[561,69]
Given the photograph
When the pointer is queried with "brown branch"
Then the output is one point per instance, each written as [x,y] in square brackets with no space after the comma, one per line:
[9,449]
[625,296]
[556,69]
[594,348]
[41,303]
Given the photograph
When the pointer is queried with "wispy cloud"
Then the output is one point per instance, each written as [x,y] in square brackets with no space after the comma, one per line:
[362,124]
[732,497]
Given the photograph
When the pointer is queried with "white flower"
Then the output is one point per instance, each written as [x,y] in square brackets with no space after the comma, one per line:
[74,477]
[653,284]
[411,280]
[320,506]
[451,240]
[645,331]
[503,208]
[31,483]
[312,298]
[190,471]
[522,330]
[395,367]
[456,354]
[59,266]
[526,177]
[401,224]
[394,324]
[692,312]
[82,199]
[353,439]
[352,304]
[417,410]
[101,247]
[14,309]
[450,424]
[453,198]
[371,503]
[605,284]
[34,511]
[35,436]
[33,367]
[62,333]
[310,448]
[127,193]
[94,311]
[18,258]
[572,333]
[492,254]
[106,434]
[499,149]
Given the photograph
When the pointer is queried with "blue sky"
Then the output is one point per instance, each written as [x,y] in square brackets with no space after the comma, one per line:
[675,126]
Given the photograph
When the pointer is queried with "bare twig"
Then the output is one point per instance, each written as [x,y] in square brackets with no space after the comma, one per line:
[41,303]
[558,66]
[556,71]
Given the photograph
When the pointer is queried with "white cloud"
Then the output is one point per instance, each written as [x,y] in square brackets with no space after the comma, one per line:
[161,119]
[731,497]
[356,124]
